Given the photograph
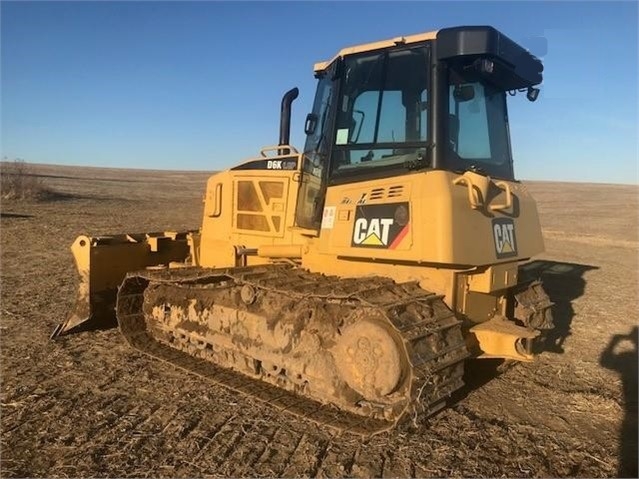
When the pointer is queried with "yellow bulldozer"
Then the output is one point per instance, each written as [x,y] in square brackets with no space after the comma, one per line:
[350,281]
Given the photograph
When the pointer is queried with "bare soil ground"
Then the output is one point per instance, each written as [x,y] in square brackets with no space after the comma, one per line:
[88,405]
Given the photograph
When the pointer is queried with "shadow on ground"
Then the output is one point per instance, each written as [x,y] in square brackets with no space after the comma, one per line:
[15,215]
[83,178]
[564,283]
[621,356]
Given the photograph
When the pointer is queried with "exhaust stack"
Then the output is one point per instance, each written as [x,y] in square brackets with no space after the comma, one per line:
[285,118]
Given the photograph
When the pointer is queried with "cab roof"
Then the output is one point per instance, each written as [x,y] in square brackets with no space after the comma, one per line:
[365,47]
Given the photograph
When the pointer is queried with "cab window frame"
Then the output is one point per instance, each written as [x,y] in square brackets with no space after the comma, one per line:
[335,176]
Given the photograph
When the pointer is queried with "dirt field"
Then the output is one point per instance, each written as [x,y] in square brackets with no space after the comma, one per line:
[88,405]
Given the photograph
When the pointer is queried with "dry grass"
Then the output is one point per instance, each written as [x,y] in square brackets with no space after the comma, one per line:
[19,182]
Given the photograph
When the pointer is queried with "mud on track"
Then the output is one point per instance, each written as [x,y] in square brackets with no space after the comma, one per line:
[89,405]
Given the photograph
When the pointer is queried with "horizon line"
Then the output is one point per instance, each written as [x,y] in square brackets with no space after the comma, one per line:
[98,167]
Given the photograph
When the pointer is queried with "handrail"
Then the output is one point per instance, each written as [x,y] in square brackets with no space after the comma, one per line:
[292,150]
[474,203]
[509,197]
[478,187]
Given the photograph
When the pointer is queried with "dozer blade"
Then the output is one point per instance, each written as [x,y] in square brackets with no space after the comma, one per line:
[104,261]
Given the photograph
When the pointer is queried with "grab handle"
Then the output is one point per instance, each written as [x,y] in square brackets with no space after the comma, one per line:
[509,197]
[291,150]
[474,202]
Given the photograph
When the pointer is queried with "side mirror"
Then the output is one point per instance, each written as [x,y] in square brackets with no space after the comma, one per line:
[463,93]
[310,124]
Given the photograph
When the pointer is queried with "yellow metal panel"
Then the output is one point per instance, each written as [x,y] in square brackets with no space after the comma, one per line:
[500,338]
[263,216]
[494,278]
[217,253]
[444,228]
[476,307]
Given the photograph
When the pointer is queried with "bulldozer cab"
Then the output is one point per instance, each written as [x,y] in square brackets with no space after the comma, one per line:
[427,102]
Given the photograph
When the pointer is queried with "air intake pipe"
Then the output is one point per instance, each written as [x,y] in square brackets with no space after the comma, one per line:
[285,117]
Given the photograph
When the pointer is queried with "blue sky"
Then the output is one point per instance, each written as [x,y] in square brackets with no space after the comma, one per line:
[197,85]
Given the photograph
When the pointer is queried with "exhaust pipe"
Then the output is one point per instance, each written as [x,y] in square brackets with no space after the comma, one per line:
[285,118]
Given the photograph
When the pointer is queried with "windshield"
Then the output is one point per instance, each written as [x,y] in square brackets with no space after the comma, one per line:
[478,137]
[382,110]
